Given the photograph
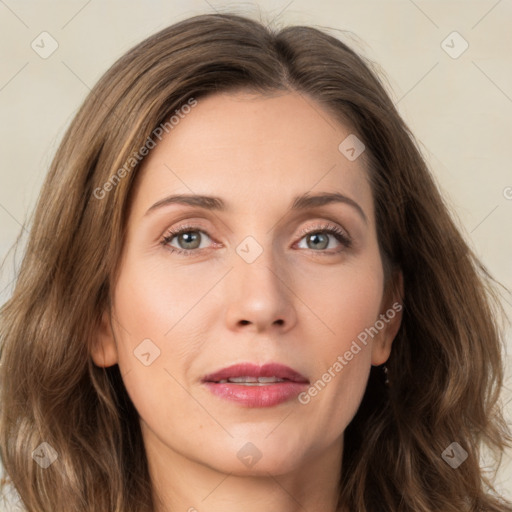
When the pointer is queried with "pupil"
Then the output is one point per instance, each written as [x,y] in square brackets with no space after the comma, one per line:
[192,236]
[316,237]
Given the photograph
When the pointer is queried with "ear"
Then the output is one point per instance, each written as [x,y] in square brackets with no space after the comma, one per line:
[104,348]
[390,319]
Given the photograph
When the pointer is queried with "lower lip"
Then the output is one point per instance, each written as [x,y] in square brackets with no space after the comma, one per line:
[257,396]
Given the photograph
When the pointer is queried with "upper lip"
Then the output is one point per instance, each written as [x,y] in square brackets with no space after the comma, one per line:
[252,370]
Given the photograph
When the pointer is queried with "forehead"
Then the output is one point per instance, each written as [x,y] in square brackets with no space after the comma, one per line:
[254,150]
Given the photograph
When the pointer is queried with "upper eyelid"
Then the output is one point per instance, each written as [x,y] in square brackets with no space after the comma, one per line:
[322,224]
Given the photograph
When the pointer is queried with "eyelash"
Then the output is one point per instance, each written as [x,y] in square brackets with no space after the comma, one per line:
[331,229]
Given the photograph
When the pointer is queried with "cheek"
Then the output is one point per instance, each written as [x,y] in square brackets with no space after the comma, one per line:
[342,302]
[154,352]
[153,301]
[348,303]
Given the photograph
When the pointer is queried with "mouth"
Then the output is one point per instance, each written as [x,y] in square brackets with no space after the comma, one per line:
[253,375]
[252,381]
[256,386]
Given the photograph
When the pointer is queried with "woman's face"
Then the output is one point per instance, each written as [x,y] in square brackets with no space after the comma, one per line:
[263,282]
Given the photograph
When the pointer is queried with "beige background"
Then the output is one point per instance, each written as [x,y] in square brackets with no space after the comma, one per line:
[460,109]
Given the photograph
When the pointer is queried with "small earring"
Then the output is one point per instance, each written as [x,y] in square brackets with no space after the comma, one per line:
[386,371]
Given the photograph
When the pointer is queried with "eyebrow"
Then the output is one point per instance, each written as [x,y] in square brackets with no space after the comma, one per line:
[302,202]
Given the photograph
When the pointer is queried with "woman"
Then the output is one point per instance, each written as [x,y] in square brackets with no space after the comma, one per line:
[243,290]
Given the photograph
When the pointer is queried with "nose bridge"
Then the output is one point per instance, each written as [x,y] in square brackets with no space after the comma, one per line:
[257,264]
[258,289]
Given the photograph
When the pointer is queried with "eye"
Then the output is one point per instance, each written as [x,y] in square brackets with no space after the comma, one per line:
[189,237]
[318,238]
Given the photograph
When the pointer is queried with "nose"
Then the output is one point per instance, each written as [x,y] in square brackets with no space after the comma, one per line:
[260,295]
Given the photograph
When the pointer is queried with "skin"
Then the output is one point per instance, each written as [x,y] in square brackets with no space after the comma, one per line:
[298,303]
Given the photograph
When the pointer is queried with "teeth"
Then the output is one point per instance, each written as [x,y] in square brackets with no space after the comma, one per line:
[251,381]
[243,380]
[269,379]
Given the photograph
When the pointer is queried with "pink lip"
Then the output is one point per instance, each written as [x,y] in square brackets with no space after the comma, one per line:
[252,370]
[257,396]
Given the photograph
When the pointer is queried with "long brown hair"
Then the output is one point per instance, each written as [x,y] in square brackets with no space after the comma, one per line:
[446,367]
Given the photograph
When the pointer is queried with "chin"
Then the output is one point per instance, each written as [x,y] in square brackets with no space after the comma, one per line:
[257,458]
